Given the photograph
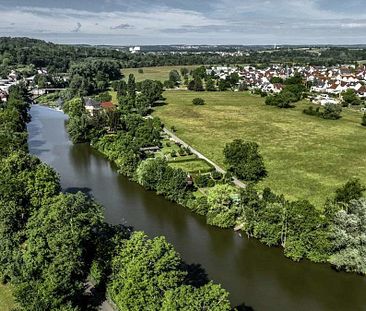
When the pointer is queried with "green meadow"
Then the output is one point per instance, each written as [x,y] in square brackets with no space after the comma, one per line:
[306,157]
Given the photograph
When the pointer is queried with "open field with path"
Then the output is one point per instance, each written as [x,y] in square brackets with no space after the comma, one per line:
[306,157]
[154,73]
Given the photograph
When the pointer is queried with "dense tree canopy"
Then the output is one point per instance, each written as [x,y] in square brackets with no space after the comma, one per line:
[244,161]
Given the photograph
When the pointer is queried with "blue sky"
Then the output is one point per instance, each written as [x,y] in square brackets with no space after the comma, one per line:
[139,22]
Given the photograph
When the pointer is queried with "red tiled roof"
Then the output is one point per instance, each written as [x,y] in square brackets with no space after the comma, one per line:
[107,105]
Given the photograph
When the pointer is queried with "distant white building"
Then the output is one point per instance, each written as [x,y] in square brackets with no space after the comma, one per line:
[135,49]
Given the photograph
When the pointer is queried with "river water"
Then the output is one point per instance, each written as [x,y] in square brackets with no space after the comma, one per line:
[259,276]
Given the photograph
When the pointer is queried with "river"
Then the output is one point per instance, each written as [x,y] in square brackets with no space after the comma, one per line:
[259,276]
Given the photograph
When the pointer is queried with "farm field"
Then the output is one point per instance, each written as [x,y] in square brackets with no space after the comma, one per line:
[306,157]
[6,298]
[153,73]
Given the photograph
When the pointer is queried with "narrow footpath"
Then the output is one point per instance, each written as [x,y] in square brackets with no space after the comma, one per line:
[236,181]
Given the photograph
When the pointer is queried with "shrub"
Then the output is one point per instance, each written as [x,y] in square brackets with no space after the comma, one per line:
[211,183]
[182,152]
[198,101]
[173,154]
[216,175]
[199,206]
[201,181]
[363,120]
[140,70]
[312,112]
[332,112]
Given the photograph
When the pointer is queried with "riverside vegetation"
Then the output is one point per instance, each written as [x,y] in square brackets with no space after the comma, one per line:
[303,230]
[51,242]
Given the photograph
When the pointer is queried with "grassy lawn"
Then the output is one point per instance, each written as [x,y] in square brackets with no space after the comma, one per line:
[6,298]
[192,166]
[306,157]
[153,73]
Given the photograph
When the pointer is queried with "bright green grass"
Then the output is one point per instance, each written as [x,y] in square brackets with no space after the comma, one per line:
[114,97]
[306,157]
[153,73]
[193,166]
[6,298]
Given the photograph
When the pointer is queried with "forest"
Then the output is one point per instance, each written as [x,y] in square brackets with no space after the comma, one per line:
[59,58]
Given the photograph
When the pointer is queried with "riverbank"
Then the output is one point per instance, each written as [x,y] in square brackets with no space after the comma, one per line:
[253,273]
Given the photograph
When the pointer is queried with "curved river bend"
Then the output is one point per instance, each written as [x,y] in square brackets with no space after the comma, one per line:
[254,274]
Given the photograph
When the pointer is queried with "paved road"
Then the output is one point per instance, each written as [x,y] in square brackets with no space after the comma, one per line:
[236,181]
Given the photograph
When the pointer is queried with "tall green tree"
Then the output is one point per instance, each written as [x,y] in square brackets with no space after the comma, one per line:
[244,160]
[142,272]
[58,252]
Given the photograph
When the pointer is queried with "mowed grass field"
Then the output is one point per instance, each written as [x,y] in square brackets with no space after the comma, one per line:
[306,157]
[153,73]
[6,298]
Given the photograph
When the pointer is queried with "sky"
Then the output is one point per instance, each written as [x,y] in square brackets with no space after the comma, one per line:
[152,22]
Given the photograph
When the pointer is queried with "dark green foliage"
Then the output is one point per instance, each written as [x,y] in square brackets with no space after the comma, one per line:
[223,85]
[363,120]
[104,97]
[199,72]
[142,272]
[281,100]
[169,84]
[58,252]
[274,80]
[92,76]
[350,98]
[244,161]
[223,206]
[131,86]
[174,77]
[156,174]
[198,101]
[348,235]
[352,190]
[312,112]
[332,112]
[210,85]
[208,297]
[198,205]
[25,185]
[152,90]
[196,85]
[202,181]
[120,87]
[216,175]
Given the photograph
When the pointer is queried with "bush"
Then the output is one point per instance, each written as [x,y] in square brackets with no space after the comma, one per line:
[312,112]
[363,120]
[140,70]
[173,154]
[216,175]
[332,112]
[198,101]
[182,152]
[202,181]
[199,206]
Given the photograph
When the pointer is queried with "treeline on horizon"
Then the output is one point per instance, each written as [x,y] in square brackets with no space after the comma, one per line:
[52,243]
[59,58]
